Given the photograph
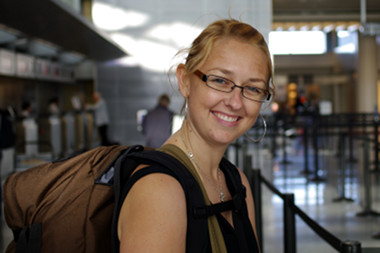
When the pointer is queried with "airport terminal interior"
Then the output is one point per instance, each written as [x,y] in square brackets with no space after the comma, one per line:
[315,175]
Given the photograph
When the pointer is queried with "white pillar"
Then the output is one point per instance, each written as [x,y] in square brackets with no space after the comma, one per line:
[366,91]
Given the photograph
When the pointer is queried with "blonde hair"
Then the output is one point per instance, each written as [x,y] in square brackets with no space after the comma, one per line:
[226,28]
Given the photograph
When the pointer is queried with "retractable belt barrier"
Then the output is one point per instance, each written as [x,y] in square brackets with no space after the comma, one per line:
[290,210]
[314,126]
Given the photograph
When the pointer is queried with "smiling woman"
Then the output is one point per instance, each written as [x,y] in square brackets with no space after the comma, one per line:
[225,79]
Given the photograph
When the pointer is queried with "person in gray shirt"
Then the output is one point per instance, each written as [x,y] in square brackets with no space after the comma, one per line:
[157,124]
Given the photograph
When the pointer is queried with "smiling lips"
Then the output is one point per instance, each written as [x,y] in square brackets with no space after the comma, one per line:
[226,118]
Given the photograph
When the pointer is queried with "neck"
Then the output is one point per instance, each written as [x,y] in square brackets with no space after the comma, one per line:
[210,175]
[207,156]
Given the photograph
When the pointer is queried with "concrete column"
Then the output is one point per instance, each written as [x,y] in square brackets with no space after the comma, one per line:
[366,92]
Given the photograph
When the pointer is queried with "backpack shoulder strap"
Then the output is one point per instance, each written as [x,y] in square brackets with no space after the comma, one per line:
[243,226]
[234,183]
[200,213]
[159,163]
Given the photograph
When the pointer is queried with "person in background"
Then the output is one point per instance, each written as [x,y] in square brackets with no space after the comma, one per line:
[26,109]
[53,106]
[157,124]
[101,118]
[225,79]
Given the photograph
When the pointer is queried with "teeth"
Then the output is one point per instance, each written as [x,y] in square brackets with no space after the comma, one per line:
[226,118]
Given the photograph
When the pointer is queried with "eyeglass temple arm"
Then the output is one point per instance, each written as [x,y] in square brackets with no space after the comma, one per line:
[202,76]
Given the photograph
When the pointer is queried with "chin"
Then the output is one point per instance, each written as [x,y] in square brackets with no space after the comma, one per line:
[226,140]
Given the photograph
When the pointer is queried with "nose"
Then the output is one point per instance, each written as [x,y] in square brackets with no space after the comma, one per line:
[235,98]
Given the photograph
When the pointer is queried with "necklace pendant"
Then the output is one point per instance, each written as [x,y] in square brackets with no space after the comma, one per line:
[221,196]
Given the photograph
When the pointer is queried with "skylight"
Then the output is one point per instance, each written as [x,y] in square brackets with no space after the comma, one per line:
[297,42]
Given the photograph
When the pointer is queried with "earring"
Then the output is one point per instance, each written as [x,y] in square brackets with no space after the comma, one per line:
[261,137]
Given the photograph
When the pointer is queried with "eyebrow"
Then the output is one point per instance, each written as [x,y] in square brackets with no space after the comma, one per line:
[257,80]
[227,72]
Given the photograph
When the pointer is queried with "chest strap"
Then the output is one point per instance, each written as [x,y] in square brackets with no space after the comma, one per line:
[209,210]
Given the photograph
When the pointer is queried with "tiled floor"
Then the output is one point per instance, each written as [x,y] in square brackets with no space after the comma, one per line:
[322,200]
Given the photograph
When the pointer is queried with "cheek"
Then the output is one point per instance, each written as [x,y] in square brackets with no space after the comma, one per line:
[253,114]
[203,97]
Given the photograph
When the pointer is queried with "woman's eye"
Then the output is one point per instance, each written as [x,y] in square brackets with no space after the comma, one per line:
[253,89]
[219,80]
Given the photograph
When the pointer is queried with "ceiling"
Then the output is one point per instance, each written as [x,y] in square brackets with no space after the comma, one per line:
[324,10]
[49,29]
[330,14]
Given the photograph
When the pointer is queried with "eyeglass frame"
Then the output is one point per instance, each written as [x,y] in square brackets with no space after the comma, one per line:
[205,77]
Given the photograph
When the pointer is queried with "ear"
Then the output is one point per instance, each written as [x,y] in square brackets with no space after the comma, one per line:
[183,80]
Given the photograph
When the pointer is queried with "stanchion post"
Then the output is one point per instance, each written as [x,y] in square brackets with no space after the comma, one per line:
[367,182]
[350,138]
[256,191]
[367,179]
[289,225]
[351,247]
[244,152]
[284,152]
[342,169]
[306,146]
[237,147]
[315,146]
[274,135]
[376,134]
[342,165]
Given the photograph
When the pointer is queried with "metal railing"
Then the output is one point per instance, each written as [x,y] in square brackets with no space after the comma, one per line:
[290,210]
[315,126]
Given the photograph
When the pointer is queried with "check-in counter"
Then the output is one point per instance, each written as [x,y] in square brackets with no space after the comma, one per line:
[27,148]
[50,137]
[79,122]
[26,136]
[91,133]
[68,133]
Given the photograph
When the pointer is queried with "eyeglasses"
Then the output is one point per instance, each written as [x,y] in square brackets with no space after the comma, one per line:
[249,91]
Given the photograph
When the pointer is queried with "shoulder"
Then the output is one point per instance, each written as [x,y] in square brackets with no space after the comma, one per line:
[157,182]
[154,207]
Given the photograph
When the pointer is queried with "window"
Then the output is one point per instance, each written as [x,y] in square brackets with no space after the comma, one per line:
[297,42]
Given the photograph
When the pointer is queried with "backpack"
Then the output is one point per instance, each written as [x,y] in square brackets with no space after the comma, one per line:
[72,205]
[62,205]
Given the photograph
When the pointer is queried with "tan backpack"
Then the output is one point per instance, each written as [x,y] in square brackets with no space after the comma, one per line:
[61,198]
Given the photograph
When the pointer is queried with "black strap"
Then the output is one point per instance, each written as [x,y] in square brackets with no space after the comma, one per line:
[237,203]
[29,239]
[233,178]
[123,167]
[169,162]
[119,174]
[194,198]
[243,227]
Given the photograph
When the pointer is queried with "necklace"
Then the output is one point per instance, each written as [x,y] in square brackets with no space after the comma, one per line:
[191,155]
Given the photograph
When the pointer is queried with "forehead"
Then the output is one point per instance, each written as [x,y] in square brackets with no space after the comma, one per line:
[239,58]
